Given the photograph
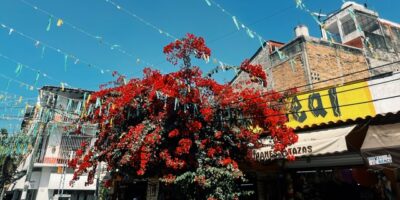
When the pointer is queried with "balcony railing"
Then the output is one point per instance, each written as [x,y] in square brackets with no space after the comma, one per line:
[63,150]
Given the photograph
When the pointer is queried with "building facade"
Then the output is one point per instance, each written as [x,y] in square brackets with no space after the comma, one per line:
[353,47]
[53,125]
[345,111]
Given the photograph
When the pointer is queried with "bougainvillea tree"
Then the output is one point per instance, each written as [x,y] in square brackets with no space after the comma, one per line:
[186,129]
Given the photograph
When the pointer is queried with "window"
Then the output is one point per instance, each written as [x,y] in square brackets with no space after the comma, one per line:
[377,41]
[366,22]
[62,104]
[348,26]
[70,143]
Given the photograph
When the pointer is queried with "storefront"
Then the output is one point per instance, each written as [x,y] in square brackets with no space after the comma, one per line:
[381,152]
[321,156]
[333,161]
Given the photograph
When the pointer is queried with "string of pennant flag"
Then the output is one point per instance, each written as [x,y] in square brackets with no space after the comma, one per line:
[300,5]
[10,80]
[38,73]
[163,32]
[240,26]
[67,56]
[98,38]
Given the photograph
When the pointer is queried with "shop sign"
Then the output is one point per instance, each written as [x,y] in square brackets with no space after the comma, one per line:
[310,143]
[380,160]
[330,105]
[268,153]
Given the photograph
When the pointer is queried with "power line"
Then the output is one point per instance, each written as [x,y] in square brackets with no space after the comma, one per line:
[12,107]
[337,92]
[313,110]
[326,80]
[324,108]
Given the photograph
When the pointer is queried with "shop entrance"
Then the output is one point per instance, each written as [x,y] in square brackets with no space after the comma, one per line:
[131,191]
[338,183]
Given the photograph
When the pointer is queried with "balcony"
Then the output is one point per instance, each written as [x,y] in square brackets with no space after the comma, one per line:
[57,149]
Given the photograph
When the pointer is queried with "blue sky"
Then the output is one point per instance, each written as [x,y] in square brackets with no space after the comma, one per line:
[270,19]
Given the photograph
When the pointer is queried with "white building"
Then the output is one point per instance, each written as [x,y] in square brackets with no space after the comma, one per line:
[356,25]
[54,122]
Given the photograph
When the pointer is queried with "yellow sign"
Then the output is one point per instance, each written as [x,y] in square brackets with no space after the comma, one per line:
[331,105]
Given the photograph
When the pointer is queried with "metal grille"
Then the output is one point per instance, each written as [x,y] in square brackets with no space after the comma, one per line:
[69,144]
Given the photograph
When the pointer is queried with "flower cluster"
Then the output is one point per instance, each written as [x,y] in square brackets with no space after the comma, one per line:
[256,72]
[183,124]
[181,49]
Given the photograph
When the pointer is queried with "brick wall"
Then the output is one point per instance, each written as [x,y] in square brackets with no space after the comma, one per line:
[328,62]
[320,61]
[290,74]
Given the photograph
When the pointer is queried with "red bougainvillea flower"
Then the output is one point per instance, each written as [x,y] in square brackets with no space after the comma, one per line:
[182,126]
[218,135]
[255,71]
[173,133]
[181,49]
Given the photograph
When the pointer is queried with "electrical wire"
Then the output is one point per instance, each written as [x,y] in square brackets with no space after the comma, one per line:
[325,80]
[312,110]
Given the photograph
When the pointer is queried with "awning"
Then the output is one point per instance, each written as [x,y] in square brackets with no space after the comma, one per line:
[310,143]
[381,146]
[334,160]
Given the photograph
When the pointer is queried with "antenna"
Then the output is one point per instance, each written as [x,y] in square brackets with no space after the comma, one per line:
[319,15]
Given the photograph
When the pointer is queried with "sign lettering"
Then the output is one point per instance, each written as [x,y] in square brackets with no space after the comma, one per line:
[330,105]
